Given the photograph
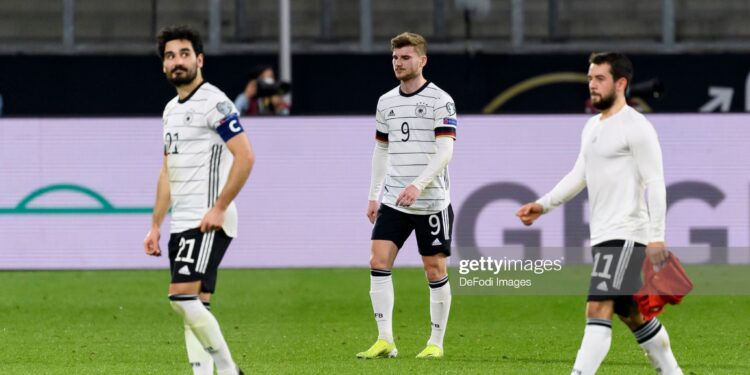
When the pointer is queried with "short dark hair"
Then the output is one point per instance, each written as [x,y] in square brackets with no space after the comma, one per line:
[410,39]
[178,32]
[620,65]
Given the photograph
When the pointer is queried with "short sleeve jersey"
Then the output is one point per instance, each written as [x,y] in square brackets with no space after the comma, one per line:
[410,123]
[195,131]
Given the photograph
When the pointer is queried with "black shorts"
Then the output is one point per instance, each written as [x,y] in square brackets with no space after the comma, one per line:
[194,256]
[433,231]
[616,274]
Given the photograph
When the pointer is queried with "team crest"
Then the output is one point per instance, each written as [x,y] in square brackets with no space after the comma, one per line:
[188,118]
[224,107]
[421,110]
[451,108]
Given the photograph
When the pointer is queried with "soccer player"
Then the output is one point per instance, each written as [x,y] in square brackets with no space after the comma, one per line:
[620,159]
[207,159]
[416,127]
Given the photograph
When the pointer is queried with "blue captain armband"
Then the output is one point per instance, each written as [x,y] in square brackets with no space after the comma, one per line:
[229,127]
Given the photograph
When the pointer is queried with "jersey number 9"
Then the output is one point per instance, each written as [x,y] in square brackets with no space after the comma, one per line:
[405,131]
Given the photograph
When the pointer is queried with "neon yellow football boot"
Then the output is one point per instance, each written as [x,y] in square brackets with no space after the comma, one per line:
[380,349]
[431,351]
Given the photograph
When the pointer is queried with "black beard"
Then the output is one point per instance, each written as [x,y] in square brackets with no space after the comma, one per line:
[604,103]
[186,79]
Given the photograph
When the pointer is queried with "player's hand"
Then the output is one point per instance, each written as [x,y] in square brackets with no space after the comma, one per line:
[657,253]
[214,219]
[372,210]
[529,212]
[408,196]
[151,242]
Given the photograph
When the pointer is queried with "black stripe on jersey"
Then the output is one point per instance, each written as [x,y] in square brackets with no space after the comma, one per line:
[396,106]
[422,209]
[215,175]
[413,130]
[199,125]
[181,101]
[211,174]
[380,136]
[401,187]
[190,153]
[409,153]
[194,139]
[415,92]
[187,166]
[417,117]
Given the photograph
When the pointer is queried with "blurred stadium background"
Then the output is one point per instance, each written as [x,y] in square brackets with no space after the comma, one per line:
[81,95]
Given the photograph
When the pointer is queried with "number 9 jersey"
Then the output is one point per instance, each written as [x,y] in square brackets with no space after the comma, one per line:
[410,124]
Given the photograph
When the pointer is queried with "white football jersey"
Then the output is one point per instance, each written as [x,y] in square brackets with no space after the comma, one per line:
[619,160]
[198,159]
[410,123]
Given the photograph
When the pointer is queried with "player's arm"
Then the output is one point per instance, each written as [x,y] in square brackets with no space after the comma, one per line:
[244,158]
[644,144]
[151,243]
[226,121]
[570,185]
[379,167]
[438,162]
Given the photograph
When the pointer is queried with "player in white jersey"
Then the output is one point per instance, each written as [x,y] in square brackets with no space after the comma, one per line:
[416,127]
[207,159]
[620,163]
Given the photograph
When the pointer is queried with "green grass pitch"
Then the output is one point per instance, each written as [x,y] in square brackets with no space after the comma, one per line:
[313,321]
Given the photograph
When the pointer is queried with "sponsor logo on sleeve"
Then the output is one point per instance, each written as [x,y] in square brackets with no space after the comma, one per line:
[450,121]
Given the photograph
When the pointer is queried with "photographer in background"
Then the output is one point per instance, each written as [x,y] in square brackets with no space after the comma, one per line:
[263,95]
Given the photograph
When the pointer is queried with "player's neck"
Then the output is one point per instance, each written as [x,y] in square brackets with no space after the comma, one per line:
[412,85]
[183,91]
[616,107]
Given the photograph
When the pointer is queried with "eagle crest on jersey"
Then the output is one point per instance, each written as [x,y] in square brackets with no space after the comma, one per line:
[198,161]
[410,123]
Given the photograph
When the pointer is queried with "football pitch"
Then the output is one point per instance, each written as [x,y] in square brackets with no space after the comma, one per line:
[313,321]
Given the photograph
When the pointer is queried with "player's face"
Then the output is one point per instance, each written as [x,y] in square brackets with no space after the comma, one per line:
[602,87]
[407,64]
[180,63]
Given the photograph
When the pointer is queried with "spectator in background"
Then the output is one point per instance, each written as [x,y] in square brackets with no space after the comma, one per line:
[263,95]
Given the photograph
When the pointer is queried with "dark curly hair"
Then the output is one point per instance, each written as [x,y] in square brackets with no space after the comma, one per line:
[170,33]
